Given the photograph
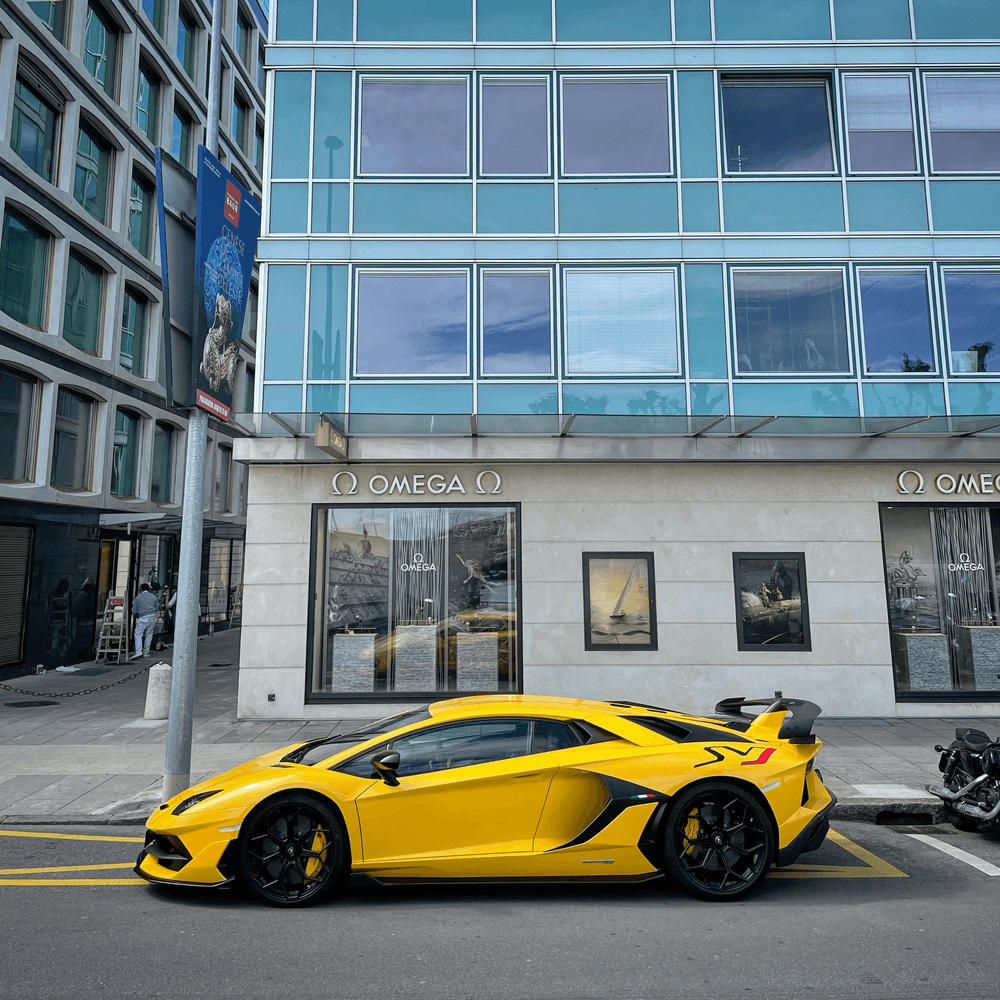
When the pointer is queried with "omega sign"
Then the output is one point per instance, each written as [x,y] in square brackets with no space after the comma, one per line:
[417,484]
[911,481]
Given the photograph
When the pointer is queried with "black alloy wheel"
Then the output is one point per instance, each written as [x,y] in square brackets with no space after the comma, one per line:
[718,841]
[293,851]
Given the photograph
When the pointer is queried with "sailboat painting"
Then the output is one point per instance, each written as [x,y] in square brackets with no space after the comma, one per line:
[619,600]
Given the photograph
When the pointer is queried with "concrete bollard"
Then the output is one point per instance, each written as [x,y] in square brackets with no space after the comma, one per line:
[158,692]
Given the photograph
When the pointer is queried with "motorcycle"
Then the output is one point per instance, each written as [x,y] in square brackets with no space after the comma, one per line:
[971,790]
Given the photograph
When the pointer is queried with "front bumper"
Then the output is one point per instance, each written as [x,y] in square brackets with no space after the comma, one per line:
[166,860]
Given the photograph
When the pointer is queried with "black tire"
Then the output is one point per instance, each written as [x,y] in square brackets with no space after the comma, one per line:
[293,851]
[718,841]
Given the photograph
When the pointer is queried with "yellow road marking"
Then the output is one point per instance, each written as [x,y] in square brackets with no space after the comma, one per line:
[66,868]
[875,867]
[70,836]
[73,881]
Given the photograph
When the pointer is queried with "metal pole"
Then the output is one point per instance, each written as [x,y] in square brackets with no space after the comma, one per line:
[177,767]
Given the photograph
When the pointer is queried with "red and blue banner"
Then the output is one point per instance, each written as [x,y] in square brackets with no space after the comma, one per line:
[225,247]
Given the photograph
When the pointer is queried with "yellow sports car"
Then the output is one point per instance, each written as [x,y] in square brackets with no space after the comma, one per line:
[509,787]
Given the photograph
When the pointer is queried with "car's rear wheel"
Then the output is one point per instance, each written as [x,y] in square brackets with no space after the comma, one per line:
[718,841]
[293,851]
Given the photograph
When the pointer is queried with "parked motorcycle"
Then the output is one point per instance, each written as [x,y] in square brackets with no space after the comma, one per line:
[971,789]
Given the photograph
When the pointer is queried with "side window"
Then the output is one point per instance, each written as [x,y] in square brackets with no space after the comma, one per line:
[462,745]
[550,735]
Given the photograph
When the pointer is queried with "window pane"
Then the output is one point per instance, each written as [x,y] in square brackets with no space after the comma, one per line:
[240,123]
[186,43]
[290,141]
[772,127]
[154,11]
[620,321]
[146,100]
[33,130]
[616,126]
[515,127]
[163,464]
[462,745]
[133,338]
[286,319]
[53,14]
[126,451]
[517,325]
[99,44]
[973,304]
[17,406]
[72,442]
[224,480]
[23,271]
[880,123]
[90,185]
[964,118]
[295,21]
[140,216]
[332,152]
[82,315]
[412,323]
[328,322]
[790,321]
[410,127]
[897,323]
[385,627]
[181,143]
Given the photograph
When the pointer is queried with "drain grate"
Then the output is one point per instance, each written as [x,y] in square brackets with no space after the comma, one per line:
[29,704]
[229,664]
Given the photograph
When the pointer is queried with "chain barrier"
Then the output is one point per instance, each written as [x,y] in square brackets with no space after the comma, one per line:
[73,694]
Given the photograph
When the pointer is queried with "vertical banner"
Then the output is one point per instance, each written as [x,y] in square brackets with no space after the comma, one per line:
[225,246]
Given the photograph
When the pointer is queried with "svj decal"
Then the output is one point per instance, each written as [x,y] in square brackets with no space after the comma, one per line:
[717,758]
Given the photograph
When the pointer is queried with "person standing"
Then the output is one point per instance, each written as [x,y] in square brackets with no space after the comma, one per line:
[144,612]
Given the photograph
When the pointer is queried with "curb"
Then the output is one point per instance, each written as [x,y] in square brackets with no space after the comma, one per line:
[889,812]
[77,819]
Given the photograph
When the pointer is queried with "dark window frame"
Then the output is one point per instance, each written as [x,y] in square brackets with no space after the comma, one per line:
[88,442]
[744,80]
[802,647]
[39,233]
[606,647]
[26,440]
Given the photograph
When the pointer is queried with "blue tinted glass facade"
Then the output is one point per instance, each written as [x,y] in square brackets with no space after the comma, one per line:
[587,206]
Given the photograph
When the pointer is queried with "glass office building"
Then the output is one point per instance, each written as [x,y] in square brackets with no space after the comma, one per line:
[627,348]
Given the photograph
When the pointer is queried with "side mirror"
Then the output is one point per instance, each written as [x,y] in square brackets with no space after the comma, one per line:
[386,763]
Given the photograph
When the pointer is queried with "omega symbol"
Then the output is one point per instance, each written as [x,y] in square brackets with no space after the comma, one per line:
[901,481]
[479,481]
[354,483]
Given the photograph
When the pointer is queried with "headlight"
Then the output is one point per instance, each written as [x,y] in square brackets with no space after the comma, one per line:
[193,800]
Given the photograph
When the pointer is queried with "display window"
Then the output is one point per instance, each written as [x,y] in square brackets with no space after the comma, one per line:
[415,601]
[944,622]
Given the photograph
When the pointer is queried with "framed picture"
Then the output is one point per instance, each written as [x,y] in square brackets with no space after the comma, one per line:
[772,610]
[619,600]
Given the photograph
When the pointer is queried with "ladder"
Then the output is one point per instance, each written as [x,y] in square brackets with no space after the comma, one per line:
[112,646]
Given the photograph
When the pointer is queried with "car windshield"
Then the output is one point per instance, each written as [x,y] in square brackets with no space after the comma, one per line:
[318,750]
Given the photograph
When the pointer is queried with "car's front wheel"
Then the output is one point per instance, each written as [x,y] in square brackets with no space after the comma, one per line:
[293,851]
[718,841]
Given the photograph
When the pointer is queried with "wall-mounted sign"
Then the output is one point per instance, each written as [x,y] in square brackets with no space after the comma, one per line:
[981,483]
[419,484]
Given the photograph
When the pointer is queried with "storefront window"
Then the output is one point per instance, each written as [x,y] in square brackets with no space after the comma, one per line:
[415,600]
[940,565]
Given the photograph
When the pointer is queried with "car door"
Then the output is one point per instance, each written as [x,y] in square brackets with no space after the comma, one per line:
[465,788]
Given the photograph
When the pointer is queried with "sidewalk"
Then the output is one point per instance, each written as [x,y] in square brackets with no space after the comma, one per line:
[93,758]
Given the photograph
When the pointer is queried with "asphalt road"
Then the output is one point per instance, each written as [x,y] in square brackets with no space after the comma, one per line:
[874,913]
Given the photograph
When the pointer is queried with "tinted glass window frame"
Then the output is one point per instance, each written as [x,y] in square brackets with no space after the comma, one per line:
[849,131]
[867,355]
[989,362]
[486,81]
[623,80]
[485,363]
[771,82]
[936,167]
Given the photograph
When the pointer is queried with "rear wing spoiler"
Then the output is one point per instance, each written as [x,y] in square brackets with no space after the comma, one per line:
[782,718]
